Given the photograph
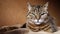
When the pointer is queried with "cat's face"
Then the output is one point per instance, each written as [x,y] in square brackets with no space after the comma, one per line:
[36,13]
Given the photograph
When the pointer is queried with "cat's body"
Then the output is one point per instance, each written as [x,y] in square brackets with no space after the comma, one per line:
[39,19]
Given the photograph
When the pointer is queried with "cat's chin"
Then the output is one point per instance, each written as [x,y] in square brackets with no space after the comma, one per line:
[37,23]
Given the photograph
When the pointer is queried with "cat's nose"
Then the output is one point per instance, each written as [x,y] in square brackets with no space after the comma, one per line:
[37,16]
[37,23]
[38,20]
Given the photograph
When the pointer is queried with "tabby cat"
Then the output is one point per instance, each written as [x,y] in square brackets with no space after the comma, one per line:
[39,19]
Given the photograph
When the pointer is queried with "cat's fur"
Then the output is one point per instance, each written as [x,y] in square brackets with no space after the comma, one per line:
[39,19]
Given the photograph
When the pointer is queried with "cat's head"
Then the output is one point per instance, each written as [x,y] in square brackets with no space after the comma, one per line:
[37,12]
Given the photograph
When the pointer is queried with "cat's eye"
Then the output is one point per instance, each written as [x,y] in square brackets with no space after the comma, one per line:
[31,16]
[42,13]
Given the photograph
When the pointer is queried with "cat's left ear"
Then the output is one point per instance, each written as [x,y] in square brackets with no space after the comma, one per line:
[29,6]
[45,6]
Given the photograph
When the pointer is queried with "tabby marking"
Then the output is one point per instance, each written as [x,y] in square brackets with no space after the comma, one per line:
[39,19]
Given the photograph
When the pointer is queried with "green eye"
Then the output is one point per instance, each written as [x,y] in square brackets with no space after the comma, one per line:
[32,16]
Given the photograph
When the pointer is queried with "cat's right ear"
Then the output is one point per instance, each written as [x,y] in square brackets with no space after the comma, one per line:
[29,6]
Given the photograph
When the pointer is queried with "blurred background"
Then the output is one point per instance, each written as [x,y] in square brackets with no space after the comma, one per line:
[14,11]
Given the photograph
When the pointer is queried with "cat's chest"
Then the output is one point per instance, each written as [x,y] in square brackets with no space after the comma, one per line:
[31,32]
[40,32]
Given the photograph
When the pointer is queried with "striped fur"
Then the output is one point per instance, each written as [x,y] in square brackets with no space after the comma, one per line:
[38,19]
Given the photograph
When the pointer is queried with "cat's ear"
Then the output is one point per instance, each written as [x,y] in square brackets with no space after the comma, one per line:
[29,6]
[45,6]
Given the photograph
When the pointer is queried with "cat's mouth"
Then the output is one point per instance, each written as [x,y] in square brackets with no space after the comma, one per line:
[38,22]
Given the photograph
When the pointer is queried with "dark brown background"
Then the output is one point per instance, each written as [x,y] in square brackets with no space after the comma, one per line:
[14,11]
